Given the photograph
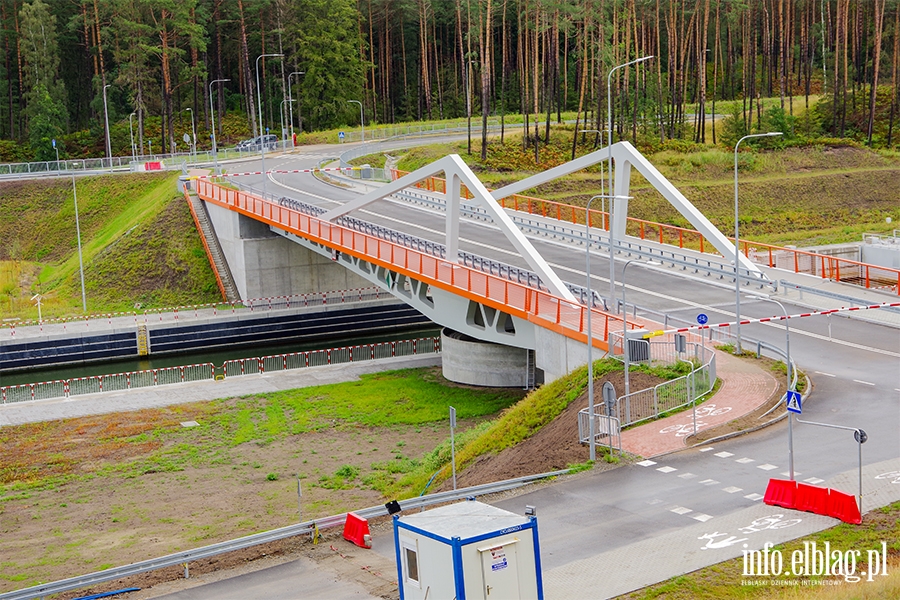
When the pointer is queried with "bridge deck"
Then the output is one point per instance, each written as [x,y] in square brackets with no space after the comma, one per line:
[526,302]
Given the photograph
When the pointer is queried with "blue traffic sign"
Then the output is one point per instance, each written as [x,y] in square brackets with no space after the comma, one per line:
[54,142]
[702,319]
[795,402]
[341,135]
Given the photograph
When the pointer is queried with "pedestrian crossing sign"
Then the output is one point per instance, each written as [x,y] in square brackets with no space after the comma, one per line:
[794,402]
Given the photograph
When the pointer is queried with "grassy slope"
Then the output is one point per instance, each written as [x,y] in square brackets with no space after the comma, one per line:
[136,233]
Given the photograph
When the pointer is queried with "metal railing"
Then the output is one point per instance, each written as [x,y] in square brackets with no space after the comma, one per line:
[304,528]
[66,388]
[197,311]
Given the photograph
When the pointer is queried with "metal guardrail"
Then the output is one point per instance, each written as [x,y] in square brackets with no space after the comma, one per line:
[307,527]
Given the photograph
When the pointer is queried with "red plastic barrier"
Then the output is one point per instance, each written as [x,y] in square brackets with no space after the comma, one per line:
[356,530]
[781,492]
[843,506]
[811,498]
[153,166]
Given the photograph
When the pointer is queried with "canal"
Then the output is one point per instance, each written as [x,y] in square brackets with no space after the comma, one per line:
[217,357]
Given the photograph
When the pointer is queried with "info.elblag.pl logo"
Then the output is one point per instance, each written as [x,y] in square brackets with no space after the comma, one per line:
[814,560]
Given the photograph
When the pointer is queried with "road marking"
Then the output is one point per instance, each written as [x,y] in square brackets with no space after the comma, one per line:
[654,501]
[732,489]
[863,382]
[709,482]
[687,476]
[825,374]
[680,510]
[666,469]
[788,473]
[754,497]
[745,461]
[647,463]
[703,518]
[766,467]
[707,449]
[814,480]
[724,454]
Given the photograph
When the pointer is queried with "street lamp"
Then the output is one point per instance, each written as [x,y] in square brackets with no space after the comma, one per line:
[283,128]
[78,234]
[612,245]
[193,133]
[131,132]
[625,347]
[787,352]
[602,202]
[106,119]
[291,106]
[590,332]
[212,116]
[262,146]
[737,243]
[362,122]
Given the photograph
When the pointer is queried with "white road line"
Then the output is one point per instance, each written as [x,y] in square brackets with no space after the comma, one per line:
[863,382]
[766,467]
[707,449]
[666,469]
[703,518]
[754,497]
[825,374]
[788,474]
[647,463]
[745,461]
[813,480]
[709,482]
[732,489]
[680,510]
[724,454]
[687,476]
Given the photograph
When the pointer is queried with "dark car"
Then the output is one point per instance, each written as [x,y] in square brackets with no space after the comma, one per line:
[269,142]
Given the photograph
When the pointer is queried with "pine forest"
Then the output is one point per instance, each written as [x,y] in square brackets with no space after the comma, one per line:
[154,65]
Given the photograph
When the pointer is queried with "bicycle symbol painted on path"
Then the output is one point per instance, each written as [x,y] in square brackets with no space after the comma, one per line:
[707,410]
[895,475]
[776,521]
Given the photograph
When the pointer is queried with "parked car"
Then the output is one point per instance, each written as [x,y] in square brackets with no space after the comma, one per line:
[269,142]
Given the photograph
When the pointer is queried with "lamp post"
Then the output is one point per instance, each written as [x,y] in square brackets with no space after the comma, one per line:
[193,133]
[106,120]
[625,347]
[291,106]
[262,146]
[78,234]
[590,332]
[737,243]
[612,244]
[283,128]
[131,132]
[212,116]
[362,121]
[787,353]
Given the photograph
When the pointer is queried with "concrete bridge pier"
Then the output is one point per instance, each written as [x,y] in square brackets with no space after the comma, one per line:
[265,264]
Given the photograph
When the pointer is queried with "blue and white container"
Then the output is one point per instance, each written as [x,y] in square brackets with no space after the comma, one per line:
[468,551]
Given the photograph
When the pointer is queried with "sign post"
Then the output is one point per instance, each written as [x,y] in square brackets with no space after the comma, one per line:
[452,441]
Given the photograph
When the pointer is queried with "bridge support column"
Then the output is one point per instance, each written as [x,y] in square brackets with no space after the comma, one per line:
[265,264]
[473,362]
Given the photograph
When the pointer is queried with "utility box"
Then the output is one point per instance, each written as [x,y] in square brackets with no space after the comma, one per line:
[467,551]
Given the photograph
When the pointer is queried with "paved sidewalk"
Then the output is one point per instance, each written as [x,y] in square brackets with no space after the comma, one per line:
[745,387]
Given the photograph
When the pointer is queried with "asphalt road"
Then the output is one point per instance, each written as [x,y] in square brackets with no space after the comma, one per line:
[854,367]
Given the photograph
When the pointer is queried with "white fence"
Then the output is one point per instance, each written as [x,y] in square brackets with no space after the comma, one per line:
[65,388]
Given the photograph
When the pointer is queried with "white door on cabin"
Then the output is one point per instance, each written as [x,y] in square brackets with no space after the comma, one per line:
[500,572]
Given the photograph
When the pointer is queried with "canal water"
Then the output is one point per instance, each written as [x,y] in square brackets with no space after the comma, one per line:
[217,357]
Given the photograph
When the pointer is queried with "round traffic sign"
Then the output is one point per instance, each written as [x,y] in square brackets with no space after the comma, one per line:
[860,436]
[702,319]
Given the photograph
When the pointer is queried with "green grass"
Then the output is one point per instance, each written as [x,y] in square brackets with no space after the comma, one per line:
[723,580]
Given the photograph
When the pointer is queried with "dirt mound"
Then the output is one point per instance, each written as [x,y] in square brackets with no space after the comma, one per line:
[555,446]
